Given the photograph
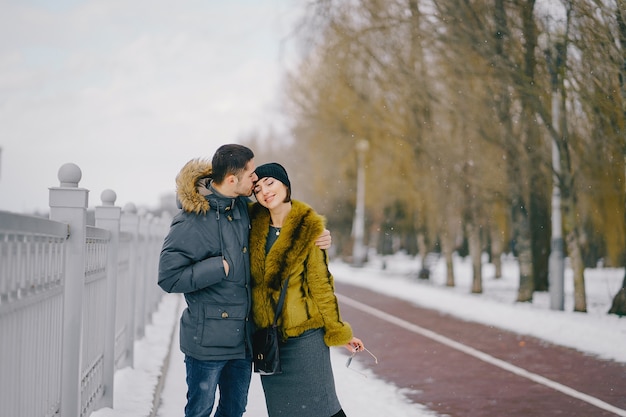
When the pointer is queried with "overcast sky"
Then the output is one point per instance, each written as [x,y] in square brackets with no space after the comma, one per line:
[131,90]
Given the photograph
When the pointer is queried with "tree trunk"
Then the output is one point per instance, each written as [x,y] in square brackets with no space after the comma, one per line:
[496,252]
[540,230]
[619,301]
[449,268]
[524,256]
[475,249]
[424,272]
[539,191]
[578,268]
[447,248]
[571,216]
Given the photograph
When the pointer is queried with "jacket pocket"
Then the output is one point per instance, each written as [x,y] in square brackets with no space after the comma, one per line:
[223,325]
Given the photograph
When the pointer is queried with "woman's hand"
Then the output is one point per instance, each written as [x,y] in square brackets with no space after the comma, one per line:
[355,345]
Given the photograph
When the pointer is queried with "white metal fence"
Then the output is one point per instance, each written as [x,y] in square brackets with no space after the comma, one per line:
[73,299]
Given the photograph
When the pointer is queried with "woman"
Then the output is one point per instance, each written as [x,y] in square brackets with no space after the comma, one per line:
[281,230]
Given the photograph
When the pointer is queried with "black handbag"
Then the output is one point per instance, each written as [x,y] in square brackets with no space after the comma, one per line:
[265,341]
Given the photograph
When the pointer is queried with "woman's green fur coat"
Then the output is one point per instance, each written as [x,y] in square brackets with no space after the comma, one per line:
[310,302]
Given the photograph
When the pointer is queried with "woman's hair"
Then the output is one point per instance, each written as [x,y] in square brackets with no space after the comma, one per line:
[230,159]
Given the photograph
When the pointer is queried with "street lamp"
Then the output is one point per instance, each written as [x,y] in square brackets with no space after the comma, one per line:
[556,263]
[358,226]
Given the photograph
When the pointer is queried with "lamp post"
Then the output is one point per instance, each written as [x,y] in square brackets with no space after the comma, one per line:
[556,263]
[358,226]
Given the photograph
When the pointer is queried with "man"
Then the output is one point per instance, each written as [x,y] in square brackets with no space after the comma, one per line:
[205,256]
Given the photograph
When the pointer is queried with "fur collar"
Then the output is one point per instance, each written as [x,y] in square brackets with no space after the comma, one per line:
[297,236]
[192,186]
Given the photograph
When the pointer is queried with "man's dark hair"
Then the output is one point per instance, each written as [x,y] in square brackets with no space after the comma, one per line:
[230,159]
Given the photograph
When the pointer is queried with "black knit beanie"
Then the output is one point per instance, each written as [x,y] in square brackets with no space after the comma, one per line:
[273,170]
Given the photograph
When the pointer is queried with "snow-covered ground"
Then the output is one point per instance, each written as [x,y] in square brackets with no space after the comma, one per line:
[594,332]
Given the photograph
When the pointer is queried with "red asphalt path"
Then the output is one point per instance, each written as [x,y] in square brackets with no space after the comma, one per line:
[465,369]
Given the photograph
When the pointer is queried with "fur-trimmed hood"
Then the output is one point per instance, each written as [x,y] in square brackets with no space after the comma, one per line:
[192,186]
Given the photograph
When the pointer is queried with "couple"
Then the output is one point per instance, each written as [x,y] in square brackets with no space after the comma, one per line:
[229,257]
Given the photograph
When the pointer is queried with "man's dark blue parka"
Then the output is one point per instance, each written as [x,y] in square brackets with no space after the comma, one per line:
[209,227]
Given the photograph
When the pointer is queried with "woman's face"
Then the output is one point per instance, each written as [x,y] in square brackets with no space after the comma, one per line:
[270,192]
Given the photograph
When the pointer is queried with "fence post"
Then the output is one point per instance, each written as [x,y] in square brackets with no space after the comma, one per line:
[68,204]
[144,233]
[152,287]
[108,218]
[130,224]
[161,227]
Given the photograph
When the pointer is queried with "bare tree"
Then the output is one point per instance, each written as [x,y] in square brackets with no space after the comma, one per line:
[455,100]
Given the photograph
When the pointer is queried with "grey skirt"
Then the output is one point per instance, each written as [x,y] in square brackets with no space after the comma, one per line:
[306,388]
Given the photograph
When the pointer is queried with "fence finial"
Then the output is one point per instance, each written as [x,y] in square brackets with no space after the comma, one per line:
[108,197]
[69,175]
[130,208]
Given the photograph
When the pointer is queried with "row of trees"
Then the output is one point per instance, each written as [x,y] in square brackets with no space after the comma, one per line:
[464,104]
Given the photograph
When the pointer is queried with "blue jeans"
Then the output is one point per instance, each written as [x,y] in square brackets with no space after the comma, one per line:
[203,377]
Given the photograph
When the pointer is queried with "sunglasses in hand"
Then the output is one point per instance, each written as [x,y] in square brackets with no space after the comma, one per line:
[349,361]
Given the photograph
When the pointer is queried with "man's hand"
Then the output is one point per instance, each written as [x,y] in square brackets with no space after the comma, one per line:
[226,267]
[325,240]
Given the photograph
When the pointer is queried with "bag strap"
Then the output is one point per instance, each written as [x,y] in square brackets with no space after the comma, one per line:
[281,300]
